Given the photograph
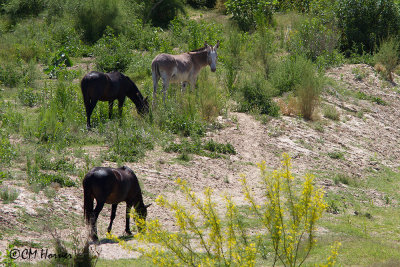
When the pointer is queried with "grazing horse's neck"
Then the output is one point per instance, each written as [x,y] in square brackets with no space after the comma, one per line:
[134,94]
[199,58]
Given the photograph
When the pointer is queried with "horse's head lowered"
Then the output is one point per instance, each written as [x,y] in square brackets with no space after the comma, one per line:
[143,108]
[212,55]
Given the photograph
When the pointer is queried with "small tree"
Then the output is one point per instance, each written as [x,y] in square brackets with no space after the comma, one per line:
[388,56]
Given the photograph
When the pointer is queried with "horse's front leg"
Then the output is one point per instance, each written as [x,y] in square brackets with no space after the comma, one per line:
[95,215]
[184,85]
[89,105]
[110,108]
[120,105]
[128,210]
[113,212]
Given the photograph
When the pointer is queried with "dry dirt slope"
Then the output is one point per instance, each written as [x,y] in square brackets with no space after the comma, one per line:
[365,138]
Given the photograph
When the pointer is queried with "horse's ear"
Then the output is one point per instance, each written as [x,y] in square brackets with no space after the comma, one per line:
[145,99]
[205,44]
[217,45]
[148,205]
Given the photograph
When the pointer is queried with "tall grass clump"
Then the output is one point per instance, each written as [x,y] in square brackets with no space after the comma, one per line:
[388,56]
[264,47]
[232,58]
[7,150]
[208,235]
[308,90]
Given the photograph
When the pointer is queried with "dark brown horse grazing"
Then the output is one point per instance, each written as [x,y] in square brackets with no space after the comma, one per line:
[111,186]
[98,86]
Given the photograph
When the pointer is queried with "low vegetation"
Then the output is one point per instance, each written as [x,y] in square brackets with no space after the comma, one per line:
[272,61]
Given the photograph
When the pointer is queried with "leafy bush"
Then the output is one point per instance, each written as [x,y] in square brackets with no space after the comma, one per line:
[257,94]
[202,3]
[365,22]
[388,56]
[20,8]
[28,97]
[313,39]
[160,13]
[288,73]
[247,12]
[59,62]
[112,53]
[93,17]
[11,73]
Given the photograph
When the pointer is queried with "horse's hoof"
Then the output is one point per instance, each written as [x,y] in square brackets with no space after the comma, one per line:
[95,238]
[128,233]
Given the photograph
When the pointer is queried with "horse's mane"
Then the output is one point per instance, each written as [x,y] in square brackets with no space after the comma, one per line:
[199,49]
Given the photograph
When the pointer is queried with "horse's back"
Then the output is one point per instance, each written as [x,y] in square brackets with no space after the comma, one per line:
[112,185]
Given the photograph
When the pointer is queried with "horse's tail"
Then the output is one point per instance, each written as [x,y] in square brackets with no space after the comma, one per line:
[155,71]
[87,199]
[84,88]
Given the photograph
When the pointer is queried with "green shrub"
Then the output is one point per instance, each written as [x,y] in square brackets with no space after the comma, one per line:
[93,17]
[7,150]
[28,97]
[313,39]
[388,56]
[288,73]
[202,3]
[11,73]
[160,13]
[129,143]
[257,94]
[43,179]
[365,22]
[246,12]
[17,9]
[112,53]
[59,62]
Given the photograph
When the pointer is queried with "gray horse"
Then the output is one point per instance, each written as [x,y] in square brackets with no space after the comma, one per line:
[182,68]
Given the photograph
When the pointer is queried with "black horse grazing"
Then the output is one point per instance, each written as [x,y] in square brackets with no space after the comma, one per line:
[111,186]
[98,86]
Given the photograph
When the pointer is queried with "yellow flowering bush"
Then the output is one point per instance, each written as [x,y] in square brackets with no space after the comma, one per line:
[205,238]
[289,214]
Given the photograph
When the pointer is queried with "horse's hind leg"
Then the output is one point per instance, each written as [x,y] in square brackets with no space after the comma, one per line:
[156,77]
[110,109]
[113,212]
[165,87]
[128,209]
[120,105]
[95,215]
[89,105]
